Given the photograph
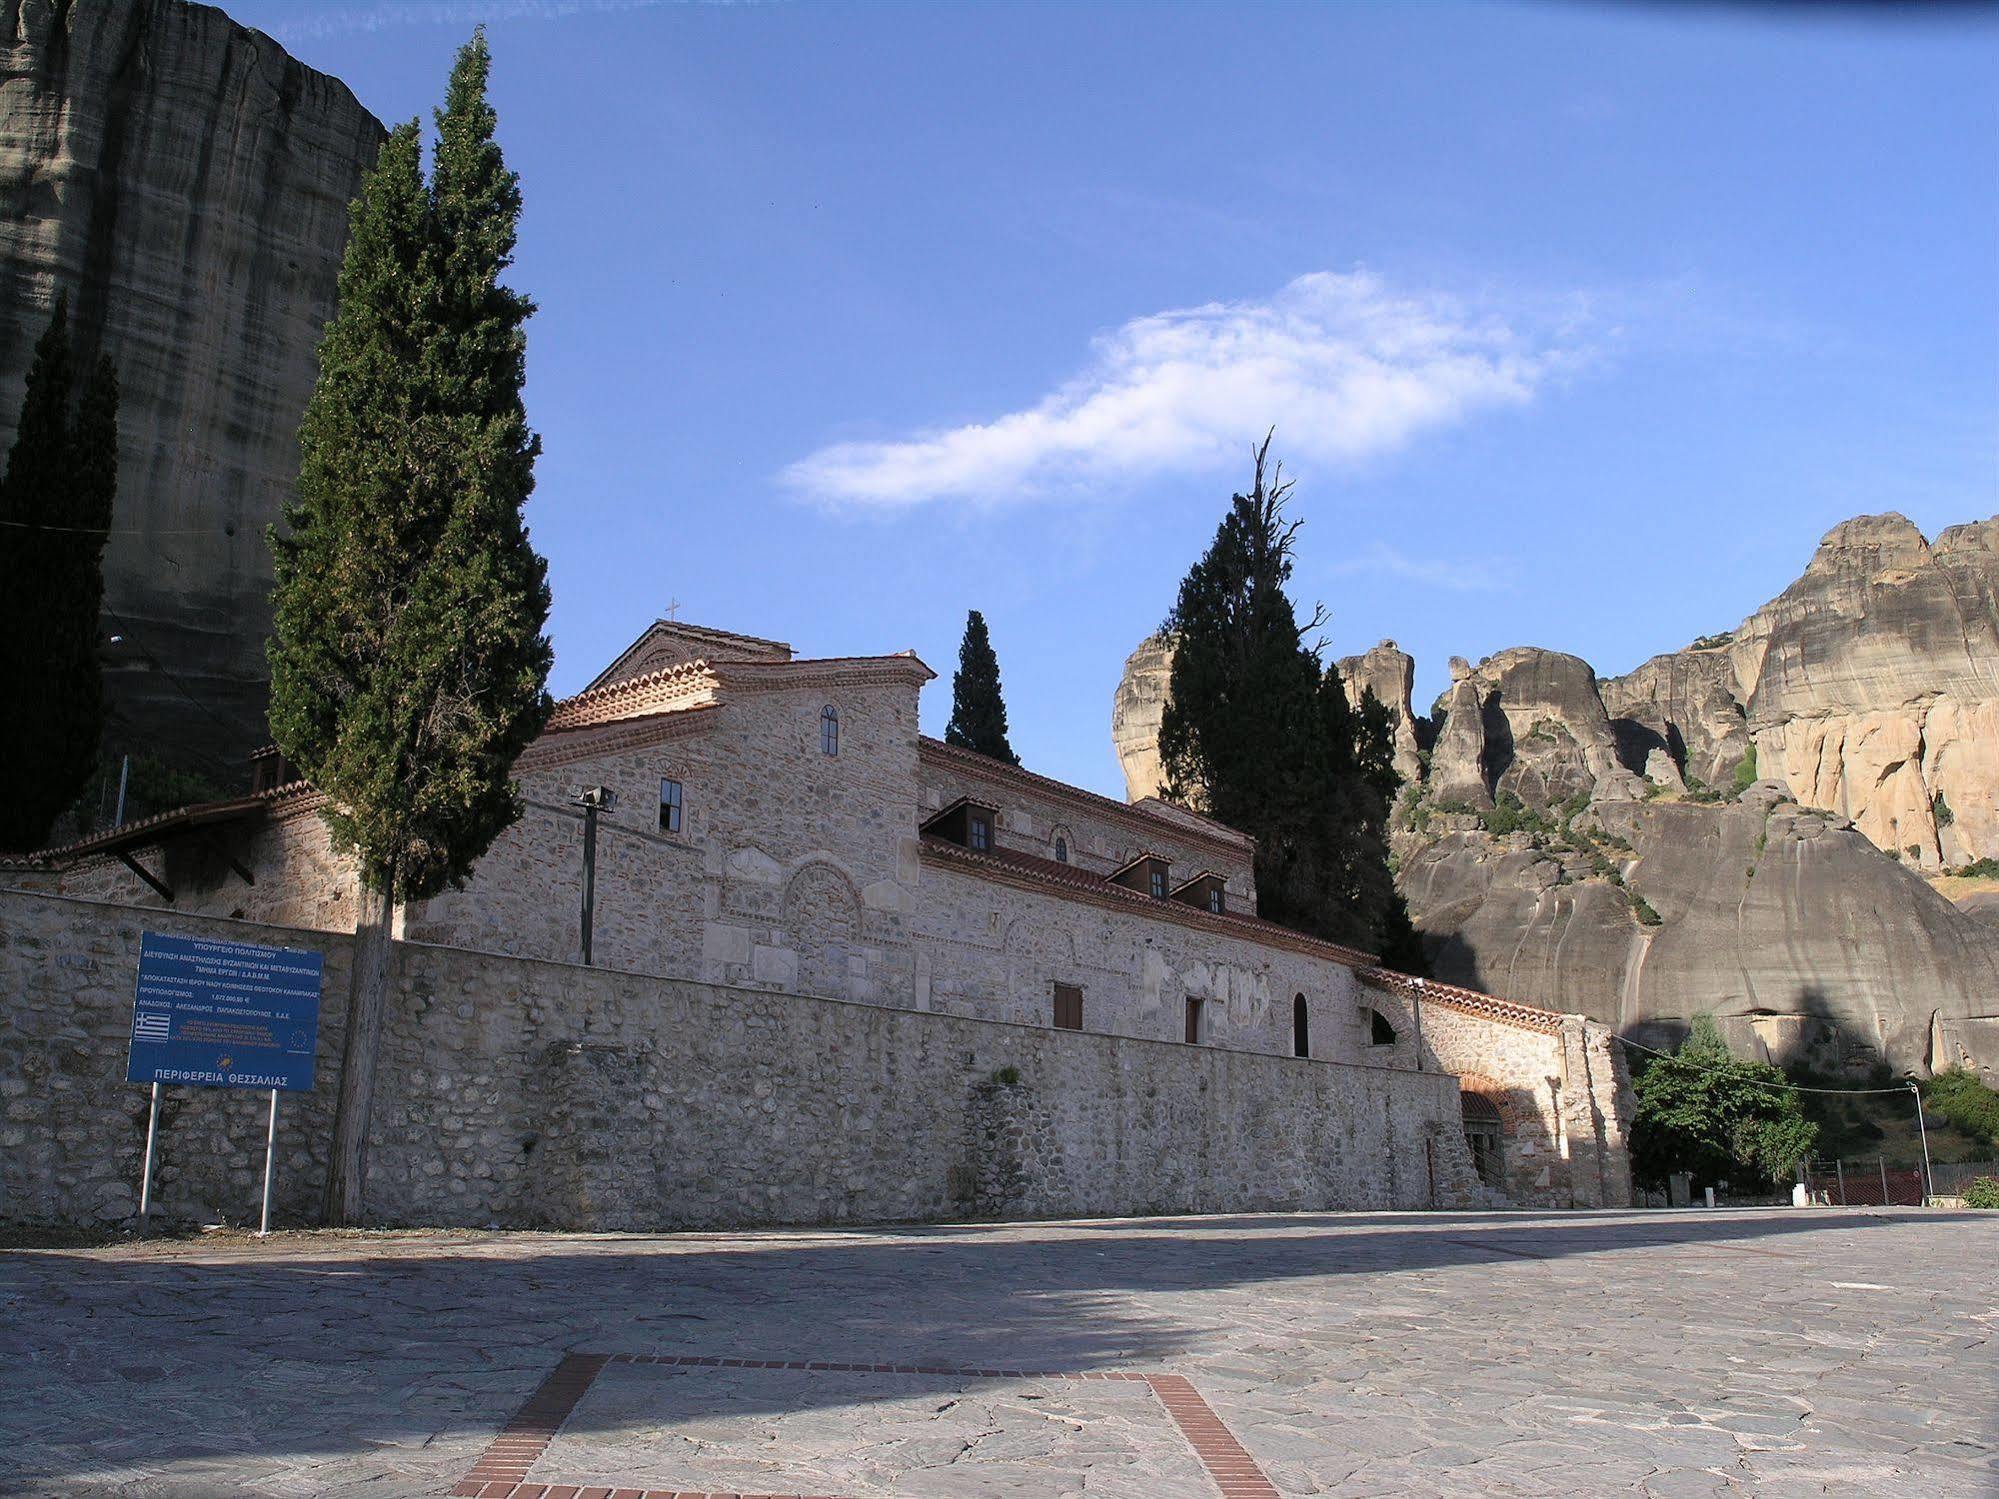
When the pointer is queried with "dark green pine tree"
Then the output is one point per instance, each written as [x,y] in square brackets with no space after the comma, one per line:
[978,712]
[56,500]
[1369,812]
[408,664]
[1257,734]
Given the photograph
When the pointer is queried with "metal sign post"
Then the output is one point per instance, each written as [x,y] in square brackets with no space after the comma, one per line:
[270,1151]
[146,1171]
[222,1015]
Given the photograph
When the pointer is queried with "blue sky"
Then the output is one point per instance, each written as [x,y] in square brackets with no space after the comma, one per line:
[1579,325]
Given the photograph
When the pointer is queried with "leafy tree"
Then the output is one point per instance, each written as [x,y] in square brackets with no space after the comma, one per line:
[1260,735]
[978,713]
[1717,1116]
[55,501]
[408,665]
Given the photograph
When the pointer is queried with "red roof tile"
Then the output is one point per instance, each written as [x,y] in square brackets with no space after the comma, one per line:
[1037,870]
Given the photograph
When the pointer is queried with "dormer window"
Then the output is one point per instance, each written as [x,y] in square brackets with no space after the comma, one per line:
[968,824]
[1148,874]
[1061,850]
[1206,891]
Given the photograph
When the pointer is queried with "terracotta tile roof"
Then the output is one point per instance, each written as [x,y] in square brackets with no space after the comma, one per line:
[807,670]
[1151,814]
[1034,870]
[1473,1001]
[723,642]
[148,830]
[654,692]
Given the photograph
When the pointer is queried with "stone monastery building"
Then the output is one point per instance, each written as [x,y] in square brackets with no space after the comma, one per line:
[770,822]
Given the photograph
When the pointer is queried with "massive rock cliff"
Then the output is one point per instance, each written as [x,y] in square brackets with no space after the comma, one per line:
[1870,687]
[187,183]
[1613,847]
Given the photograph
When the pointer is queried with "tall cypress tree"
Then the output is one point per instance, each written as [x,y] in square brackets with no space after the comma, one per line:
[55,501]
[408,664]
[978,713]
[1259,735]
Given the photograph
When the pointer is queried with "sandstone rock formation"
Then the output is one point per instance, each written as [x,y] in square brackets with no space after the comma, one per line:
[1801,938]
[1542,729]
[1136,712]
[187,183]
[1389,672]
[1870,687]
[1570,846]
[1681,703]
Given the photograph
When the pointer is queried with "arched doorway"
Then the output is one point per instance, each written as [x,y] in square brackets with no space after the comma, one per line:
[1301,1028]
[1482,1136]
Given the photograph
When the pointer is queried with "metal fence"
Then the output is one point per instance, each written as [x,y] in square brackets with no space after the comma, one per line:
[1863,1183]
[1952,1178]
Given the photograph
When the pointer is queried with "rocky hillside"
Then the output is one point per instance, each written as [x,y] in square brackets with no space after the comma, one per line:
[1741,828]
[187,182]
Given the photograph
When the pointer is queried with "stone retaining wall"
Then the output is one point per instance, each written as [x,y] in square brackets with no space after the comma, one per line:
[527,1093]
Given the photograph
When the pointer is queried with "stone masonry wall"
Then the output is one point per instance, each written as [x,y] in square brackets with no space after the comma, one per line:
[996,950]
[524,1092]
[1563,1095]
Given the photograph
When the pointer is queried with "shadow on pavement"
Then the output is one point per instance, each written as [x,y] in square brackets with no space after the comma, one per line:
[335,1346]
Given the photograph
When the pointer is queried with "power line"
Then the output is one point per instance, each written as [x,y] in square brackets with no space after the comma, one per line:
[161,667]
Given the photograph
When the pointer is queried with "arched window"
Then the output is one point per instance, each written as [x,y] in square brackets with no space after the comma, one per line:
[1061,850]
[1301,1028]
[829,729]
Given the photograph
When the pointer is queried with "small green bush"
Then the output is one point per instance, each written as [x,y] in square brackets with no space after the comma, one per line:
[1940,809]
[1980,869]
[1982,1193]
[1963,1099]
[1642,909]
[1007,1076]
[1745,771]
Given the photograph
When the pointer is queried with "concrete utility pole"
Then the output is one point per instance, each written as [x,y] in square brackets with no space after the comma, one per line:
[1923,1130]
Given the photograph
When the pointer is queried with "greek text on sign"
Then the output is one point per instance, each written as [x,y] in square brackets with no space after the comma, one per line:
[224,1014]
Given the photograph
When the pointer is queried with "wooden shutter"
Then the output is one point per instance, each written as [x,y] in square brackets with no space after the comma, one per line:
[1068,1007]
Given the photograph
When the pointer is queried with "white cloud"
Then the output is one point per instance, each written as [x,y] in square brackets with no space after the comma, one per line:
[1344,367]
[1436,572]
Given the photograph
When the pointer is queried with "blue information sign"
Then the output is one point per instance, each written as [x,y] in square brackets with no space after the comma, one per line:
[224,1014]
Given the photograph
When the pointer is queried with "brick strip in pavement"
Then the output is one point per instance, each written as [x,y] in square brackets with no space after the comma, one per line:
[501,1472]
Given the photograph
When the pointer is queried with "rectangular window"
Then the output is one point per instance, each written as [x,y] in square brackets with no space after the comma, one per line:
[981,833]
[1159,884]
[669,806]
[1068,1007]
[1193,1022]
[1215,899]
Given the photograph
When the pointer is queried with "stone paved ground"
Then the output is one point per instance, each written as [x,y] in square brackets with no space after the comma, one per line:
[1758,1352]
